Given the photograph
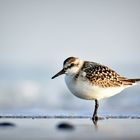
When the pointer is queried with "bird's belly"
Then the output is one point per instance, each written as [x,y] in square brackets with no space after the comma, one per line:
[85,90]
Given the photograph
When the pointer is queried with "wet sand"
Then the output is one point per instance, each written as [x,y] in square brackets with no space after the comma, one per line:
[68,128]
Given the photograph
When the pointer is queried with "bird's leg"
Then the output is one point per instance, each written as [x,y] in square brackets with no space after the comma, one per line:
[95,117]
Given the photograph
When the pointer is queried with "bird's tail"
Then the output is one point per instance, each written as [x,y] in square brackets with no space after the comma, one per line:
[135,81]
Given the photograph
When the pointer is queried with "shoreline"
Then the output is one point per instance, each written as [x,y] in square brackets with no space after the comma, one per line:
[68,117]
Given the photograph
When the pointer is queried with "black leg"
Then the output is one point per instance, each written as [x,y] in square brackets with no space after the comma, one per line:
[95,117]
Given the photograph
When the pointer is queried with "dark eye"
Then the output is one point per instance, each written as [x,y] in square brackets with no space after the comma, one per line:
[72,65]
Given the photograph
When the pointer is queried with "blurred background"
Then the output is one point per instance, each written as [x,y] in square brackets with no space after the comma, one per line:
[36,36]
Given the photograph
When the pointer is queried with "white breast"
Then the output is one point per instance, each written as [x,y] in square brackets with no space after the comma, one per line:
[85,90]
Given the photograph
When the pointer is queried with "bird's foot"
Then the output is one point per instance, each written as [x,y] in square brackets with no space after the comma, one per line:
[95,119]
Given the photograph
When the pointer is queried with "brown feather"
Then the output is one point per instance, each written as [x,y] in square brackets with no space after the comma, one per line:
[103,76]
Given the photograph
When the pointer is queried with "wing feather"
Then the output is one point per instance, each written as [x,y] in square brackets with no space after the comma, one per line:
[103,76]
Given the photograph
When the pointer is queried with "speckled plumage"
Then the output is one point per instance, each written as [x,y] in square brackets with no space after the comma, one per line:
[102,76]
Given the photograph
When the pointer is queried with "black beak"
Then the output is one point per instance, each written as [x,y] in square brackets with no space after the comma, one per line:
[59,73]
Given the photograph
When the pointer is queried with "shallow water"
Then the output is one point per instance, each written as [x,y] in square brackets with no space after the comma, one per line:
[74,128]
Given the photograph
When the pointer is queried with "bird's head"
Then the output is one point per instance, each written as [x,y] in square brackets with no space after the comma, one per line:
[71,66]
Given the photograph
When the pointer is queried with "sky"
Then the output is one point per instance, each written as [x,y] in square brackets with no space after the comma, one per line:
[36,36]
[38,31]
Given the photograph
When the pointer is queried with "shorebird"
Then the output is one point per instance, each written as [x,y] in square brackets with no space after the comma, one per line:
[93,81]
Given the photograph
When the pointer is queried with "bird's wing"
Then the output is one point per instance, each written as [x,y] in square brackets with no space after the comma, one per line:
[103,76]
